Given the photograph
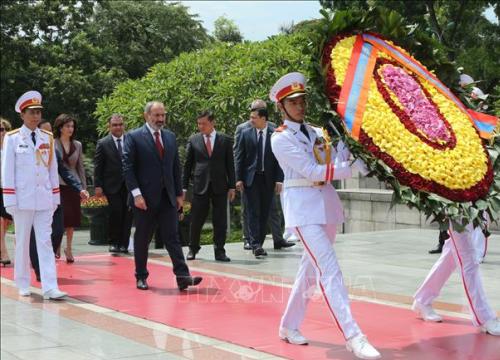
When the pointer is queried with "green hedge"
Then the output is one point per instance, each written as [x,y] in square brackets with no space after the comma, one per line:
[223,78]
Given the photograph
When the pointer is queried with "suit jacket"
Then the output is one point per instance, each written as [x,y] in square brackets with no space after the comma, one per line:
[246,158]
[75,162]
[216,170]
[65,174]
[108,169]
[144,169]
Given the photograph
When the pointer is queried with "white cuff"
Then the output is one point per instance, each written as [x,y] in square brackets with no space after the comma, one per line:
[136,192]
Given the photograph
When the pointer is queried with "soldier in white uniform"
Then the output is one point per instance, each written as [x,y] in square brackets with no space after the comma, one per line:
[458,252]
[312,209]
[31,193]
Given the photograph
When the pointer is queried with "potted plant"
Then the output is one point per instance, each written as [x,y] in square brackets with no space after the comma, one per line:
[95,208]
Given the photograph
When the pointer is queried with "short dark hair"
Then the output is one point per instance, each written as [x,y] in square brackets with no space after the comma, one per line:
[43,121]
[206,113]
[261,112]
[60,121]
[114,116]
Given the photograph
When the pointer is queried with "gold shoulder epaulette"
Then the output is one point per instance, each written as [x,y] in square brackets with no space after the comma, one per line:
[15,131]
[281,128]
[47,132]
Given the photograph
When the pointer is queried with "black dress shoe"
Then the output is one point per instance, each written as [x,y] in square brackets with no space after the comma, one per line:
[142,284]
[247,246]
[283,244]
[184,282]
[222,257]
[437,250]
[114,249]
[123,249]
[191,255]
[259,252]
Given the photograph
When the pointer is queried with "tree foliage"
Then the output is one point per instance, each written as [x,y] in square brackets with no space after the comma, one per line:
[223,78]
[76,51]
[226,30]
[468,38]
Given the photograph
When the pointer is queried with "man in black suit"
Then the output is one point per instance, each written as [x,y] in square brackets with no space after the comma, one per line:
[153,175]
[209,154]
[275,215]
[109,181]
[258,175]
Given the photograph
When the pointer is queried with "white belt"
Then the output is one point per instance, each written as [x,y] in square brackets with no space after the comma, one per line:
[288,183]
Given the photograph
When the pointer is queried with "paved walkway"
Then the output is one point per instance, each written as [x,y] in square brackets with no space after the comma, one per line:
[381,267]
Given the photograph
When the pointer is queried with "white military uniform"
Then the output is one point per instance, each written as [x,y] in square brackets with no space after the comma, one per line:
[31,194]
[458,252]
[312,209]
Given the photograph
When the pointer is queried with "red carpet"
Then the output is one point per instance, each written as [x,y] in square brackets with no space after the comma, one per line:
[248,314]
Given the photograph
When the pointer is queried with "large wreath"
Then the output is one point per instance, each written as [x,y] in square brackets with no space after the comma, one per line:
[410,129]
[406,117]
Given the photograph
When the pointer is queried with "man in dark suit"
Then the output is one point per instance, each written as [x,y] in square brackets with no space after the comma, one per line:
[153,175]
[209,154]
[109,181]
[258,175]
[275,215]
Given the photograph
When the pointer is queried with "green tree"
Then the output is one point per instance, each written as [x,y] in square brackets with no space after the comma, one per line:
[226,30]
[468,37]
[76,51]
[223,78]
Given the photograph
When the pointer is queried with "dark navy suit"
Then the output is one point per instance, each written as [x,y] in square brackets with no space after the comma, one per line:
[159,180]
[259,185]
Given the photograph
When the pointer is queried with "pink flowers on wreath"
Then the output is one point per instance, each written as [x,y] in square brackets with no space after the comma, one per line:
[416,105]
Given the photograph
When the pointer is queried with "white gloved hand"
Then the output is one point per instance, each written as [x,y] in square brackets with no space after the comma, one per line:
[343,153]
[11,209]
[361,167]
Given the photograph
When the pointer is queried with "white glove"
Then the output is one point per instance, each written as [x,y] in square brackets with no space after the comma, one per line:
[343,153]
[361,167]
[11,209]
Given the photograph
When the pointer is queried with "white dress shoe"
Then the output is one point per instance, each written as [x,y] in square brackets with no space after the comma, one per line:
[361,348]
[24,292]
[492,327]
[426,312]
[54,294]
[292,336]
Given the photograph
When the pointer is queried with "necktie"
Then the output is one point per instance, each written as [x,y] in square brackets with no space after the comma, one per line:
[208,144]
[304,131]
[260,165]
[159,146]
[119,144]
[33,137]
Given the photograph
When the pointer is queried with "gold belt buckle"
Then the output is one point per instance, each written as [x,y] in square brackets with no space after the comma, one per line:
[318,183]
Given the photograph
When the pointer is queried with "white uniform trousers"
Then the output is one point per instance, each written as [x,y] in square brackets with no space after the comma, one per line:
[41,220]
[319,264]
[480,243]
[458,251]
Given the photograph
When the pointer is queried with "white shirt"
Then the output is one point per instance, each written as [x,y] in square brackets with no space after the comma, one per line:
[152,131]
[264,135]
[212,139]
[121,138]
